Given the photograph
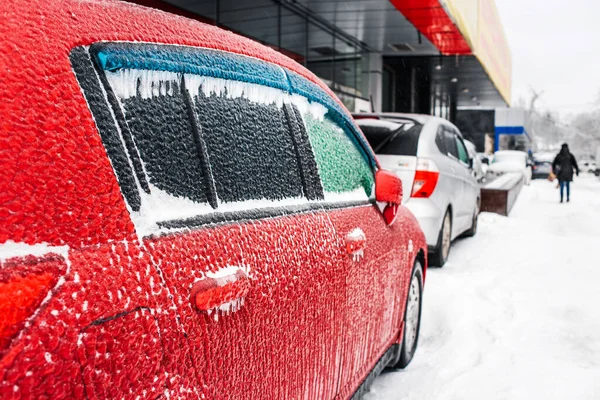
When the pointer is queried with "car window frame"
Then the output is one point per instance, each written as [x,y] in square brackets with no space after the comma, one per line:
[90,78]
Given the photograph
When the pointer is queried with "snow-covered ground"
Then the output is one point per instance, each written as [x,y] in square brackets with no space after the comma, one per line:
[515,313]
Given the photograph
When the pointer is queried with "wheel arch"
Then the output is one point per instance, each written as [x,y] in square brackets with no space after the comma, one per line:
[422,258]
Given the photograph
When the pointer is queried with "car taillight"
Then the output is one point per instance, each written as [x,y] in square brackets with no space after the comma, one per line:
[426,178]
[24,284]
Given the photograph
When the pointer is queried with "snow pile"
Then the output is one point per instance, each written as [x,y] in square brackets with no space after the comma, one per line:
[514,313]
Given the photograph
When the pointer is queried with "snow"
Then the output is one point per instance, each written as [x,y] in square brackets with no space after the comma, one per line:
[514,313]
[11,249]
[124,82]
[501,181]
[127,82]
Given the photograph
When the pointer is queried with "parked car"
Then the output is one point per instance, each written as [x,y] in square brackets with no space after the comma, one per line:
[588,166]
[430,157]
[541,169]
[510,161]
[485,161]
[188,214]
[477,166]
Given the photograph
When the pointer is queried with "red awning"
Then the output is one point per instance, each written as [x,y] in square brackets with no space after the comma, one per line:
[431,19]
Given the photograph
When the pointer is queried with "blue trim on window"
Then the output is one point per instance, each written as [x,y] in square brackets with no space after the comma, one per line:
[190,60]
[509,130]
[224,65]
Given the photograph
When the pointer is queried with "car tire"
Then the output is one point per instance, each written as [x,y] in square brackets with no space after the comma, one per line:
[473,230]
[412,317]
[442,249]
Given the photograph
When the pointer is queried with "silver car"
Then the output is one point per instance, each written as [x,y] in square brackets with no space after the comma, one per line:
[429,155]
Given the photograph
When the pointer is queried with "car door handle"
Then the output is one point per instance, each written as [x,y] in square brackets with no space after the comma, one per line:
[222,292]
[356,243]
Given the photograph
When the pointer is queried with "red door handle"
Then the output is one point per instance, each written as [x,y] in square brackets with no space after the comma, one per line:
[356,242]
[223,292]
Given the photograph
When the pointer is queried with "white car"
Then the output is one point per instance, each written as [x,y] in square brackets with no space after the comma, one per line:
[588,166]
[509,161]
[430,157]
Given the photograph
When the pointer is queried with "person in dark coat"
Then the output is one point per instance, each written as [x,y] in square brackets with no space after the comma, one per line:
[563,167]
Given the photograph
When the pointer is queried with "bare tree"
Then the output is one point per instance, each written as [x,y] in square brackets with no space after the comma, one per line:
[535,95]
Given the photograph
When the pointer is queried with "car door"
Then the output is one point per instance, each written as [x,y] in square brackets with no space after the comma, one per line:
[470,185]
[374,254]
[456,175]
[230,218]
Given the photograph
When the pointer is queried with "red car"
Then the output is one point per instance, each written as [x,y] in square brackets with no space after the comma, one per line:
[185,213]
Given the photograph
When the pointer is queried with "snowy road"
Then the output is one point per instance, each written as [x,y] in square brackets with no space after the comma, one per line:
[515,313]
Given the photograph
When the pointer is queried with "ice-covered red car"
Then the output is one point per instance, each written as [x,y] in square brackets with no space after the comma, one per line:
[185,213]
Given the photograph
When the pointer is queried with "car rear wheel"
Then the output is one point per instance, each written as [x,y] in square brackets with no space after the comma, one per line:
[442,250]
[412,317]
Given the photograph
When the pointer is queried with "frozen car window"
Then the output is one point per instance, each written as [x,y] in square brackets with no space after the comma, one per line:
[386,137]
[247,144]
[157,117]
[342,167]
[207,144]
[250,148]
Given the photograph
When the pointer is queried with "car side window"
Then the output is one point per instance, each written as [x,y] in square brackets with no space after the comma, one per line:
[450,142]
[203,149]
[250,148]
[440,140]
[463,155]
[158,121]
[341,164]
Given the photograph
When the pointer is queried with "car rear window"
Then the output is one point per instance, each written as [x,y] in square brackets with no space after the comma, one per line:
[392,137]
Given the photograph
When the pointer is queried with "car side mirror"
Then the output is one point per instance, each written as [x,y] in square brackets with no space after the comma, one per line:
[470,163]
[388,190]
[486,161]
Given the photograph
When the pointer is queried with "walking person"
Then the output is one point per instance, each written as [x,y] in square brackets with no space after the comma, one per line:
[563,167]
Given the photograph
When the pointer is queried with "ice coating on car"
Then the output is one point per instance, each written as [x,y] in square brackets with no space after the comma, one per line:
[112,152]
